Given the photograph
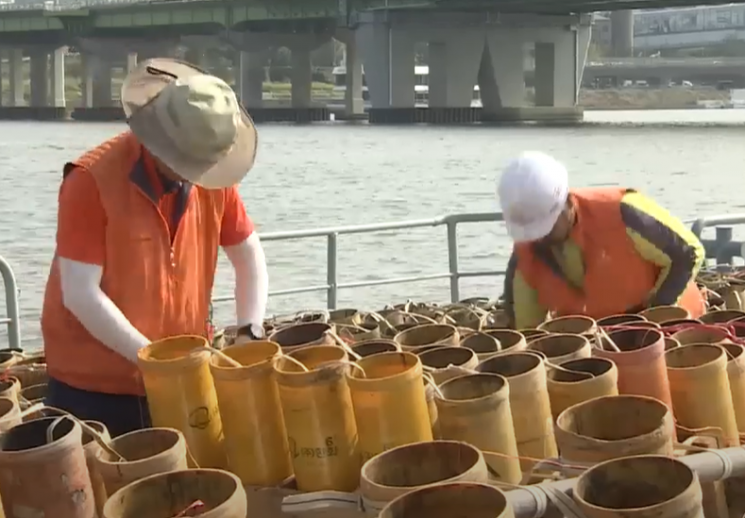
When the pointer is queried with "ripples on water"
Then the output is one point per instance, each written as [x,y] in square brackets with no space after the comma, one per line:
[335,174]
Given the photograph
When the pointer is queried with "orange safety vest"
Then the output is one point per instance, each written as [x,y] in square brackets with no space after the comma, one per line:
[617,278]
[163,288]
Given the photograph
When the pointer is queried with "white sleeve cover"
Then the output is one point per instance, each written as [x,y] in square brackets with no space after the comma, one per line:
[83,297]
[251,280]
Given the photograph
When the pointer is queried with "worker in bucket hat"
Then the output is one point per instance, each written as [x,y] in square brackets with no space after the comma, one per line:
[595,251]
[140,221]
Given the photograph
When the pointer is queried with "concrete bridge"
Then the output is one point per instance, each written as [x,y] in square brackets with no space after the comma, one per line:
[485,45]
[465,48]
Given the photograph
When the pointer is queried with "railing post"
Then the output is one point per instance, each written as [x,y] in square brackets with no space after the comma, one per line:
[698,227]
[452,227]
[11,304]
[331,273]
[722,236]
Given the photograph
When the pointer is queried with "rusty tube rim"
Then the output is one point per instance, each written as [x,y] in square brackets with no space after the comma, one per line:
[11,383]
[38,391]
[688,488]
[531,332]
[373,342]
[508,338]
[382,459]
[147,357]
[501,389]
[537,360]
[70,440]
[117,497]
[665,419]
[709,332]
[671,343]
[730,315]
[678,312]
[531,376]
[276,335]
[326,370]
[548,325]
[88,440]
[480,335]
[652,331]
[264,353]
[718,355]
[179,444]
[9,409]
[411,363]
[448,331]
[501,507]
[581,342]
[620,319]
[734,351]
[468,355]
[600,375]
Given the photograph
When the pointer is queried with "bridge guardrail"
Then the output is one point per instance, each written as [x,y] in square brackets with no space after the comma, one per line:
[722,248]
[53,6]
[655,62]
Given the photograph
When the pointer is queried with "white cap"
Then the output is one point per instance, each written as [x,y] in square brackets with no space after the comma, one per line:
[533,191]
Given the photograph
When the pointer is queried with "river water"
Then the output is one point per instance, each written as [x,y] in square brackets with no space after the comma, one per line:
[335,174]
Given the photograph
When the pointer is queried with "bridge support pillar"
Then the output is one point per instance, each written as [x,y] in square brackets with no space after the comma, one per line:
[48,78]
[39,78]
[388,54]
[501,76]
[131,61]
[622,33]
[2,73]
[57,77]
[96,82]
[87,81]
[251,77]
[354,103]
[17,82]
[559,63]
[454,59]
[302,78]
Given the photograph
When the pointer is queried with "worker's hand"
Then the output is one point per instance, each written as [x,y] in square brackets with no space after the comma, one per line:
[251,332]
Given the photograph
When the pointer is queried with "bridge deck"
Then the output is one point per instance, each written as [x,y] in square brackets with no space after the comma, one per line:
[331,8]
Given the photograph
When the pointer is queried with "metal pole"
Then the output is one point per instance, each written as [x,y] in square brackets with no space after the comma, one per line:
[331,272]
[723,235]
[11,304]
[710,467]
[452,228]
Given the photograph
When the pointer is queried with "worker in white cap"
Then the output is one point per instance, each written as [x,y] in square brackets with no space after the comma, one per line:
[140,222]
[594,251]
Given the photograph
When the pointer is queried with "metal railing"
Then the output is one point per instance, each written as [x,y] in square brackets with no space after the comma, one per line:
[12,320]
[722,248]
[332,234]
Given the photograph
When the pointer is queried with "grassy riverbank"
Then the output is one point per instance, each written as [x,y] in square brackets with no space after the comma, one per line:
[649,98]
